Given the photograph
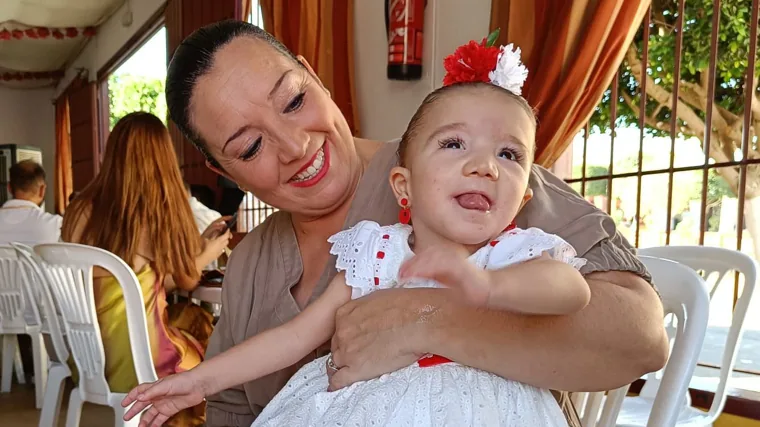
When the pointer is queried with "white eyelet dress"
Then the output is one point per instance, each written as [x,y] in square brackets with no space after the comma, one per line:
[422,394]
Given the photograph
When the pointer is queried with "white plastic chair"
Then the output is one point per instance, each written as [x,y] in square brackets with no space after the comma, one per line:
[19,315]
[715,263]
[51,325]
[69,270]
[684,295]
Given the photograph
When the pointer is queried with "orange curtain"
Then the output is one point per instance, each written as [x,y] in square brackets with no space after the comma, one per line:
[63,178]
[323,32]
[243,9]
[572,49]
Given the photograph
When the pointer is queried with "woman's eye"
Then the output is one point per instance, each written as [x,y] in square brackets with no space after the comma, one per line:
[296,103]
[252,149]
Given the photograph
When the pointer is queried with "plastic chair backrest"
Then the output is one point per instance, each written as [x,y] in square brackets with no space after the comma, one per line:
[715,263]
[16,291]
[69,267]
[684,295]
[45,302]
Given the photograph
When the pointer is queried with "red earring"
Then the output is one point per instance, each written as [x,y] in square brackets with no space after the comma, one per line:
[405,215]
[511,226]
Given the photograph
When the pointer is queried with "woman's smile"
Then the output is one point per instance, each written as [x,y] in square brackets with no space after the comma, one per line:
[313,171]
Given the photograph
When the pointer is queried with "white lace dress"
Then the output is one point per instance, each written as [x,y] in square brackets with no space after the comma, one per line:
[444,394]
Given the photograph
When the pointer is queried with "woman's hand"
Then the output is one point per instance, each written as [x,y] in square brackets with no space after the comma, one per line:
[215,247]
[374,335]
[167,397]
[216,228]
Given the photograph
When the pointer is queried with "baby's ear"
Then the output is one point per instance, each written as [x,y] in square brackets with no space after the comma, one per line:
[400,183]
[526,198]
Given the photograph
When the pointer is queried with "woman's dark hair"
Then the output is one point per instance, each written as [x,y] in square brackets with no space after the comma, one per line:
[193,59]
[443,91]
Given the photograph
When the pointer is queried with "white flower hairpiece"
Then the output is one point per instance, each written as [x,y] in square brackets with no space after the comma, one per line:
[510,73]
[485,62]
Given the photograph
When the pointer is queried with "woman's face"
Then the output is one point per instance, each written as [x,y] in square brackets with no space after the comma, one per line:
[274,129]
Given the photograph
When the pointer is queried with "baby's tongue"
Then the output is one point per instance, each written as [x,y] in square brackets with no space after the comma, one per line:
[474,201]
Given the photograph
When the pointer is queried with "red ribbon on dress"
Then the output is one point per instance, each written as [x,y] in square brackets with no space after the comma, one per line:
[432,360]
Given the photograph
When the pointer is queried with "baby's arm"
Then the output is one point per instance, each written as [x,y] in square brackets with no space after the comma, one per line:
[276,348]
[541,286]
[257,356]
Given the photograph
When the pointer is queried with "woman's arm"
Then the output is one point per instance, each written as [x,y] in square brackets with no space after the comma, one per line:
[615,339]
[211,249]
[275,348]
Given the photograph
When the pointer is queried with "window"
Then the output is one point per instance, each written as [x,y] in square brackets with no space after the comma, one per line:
[138,83]
[253,211]
[649,165]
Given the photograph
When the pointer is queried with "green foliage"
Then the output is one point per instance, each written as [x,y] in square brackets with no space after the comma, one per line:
[732,60]
[717,188]
[128,93]
[596,187]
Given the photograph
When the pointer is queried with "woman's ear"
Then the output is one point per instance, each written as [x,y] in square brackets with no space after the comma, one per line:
[221,172]
[400,183]
[306,64]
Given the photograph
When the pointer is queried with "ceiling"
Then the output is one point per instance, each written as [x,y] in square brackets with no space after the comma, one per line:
[39,38]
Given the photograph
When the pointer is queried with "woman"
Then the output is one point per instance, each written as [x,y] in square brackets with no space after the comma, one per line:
[263,119]
[137,209]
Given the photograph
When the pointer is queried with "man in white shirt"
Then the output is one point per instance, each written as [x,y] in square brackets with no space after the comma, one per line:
[204,216]
[22,219]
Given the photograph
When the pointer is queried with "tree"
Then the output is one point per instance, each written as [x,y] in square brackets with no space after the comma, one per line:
[596,187]
[128,93]
[730,82]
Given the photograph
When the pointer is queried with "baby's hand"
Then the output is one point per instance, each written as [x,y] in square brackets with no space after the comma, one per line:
[452,270]
[167,397]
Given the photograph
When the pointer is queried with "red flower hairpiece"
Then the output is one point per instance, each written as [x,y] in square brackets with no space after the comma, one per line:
[486,62]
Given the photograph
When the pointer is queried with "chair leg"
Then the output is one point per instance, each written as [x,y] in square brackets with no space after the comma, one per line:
[53,395]
[74,411]
[40,368]
[19,362]
[9,353]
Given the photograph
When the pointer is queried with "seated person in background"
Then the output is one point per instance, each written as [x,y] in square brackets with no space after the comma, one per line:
[136,208]
[203,215]
[22,219]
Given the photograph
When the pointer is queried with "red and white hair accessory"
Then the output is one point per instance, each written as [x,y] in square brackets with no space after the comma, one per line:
[485,62]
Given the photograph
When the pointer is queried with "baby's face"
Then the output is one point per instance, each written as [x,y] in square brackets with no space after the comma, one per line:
[468,165]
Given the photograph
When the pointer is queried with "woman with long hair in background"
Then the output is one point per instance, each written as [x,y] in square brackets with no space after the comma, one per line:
[137,208]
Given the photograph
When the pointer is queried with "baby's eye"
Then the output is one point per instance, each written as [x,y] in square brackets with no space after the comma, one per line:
[509,155]
[452,143]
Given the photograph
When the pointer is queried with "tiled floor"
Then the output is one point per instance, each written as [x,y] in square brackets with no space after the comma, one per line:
[17,410]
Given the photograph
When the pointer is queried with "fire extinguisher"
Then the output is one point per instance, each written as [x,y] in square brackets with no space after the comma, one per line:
[404,22]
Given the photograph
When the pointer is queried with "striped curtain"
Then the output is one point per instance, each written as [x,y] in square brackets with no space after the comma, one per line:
[572,49]
[323,33]
[63,182]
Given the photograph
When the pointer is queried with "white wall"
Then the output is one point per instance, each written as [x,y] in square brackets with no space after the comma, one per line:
[385,106]
[27,117]
[111,36]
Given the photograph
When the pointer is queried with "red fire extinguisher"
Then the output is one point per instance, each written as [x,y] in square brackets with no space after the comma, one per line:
[404,22]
